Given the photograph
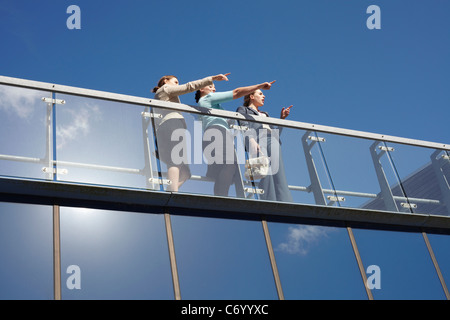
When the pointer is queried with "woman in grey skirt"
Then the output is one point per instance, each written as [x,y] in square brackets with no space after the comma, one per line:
[169,89]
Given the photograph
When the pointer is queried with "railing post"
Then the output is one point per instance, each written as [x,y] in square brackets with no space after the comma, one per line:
[273,262]
[173,260]
[148,169]
[436,265]
[314,177]
[56,254]
[438,167]
[359,261]
[386,193]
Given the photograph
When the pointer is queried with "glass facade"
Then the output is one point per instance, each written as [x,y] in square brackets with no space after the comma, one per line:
[316,262]
[407,272]
[222,259]
[111,142]
[120,255]
[26,267]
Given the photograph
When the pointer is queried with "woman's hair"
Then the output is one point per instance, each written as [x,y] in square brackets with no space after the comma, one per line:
[247,99]
[198,95]
[161,82]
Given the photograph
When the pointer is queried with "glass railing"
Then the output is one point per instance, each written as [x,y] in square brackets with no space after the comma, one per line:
[89,137]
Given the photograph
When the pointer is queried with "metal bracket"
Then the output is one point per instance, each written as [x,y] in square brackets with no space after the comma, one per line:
[384,148]
[408,205]
[240,128]
[53,101]
[335,199]
[252,190]
[318,139]
[151,115]
[55,170]
[160,181]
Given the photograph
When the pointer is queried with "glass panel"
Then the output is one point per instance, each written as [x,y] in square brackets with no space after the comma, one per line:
[405,268]
[287,179]
[425,176]
[24,132]
[362,173]
[290,179]
[441,247]
[316,262]
[180,148]
[289,182]
[195,148]
[104,142]
[26,252]
[114,255]
[222,259]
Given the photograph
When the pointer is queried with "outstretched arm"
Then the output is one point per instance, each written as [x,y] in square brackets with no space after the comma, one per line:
[243,91]
[221,77]
[194,85]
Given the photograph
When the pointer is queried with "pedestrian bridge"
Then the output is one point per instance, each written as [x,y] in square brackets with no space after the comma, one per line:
[64,146]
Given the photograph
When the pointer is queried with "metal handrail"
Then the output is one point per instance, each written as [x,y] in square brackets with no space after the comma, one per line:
[204,178]
[214,112]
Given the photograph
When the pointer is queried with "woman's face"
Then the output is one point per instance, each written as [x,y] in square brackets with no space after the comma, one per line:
[258,98]
[172,81]
[208,89]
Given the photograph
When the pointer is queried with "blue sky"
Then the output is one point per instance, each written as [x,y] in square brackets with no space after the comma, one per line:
[327,63]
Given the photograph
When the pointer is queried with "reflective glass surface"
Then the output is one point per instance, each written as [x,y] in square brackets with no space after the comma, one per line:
[25,135]
[113,255]
[295,162]
[363,174]
[26,252]
[100,142]
[316,262]
[441,247]
[180,144]
[104,143]
[424,175]
[405,269]
[222,259]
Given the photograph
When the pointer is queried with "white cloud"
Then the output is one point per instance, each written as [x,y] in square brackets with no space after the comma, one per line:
[301,238]
[22,102]
[79,126]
